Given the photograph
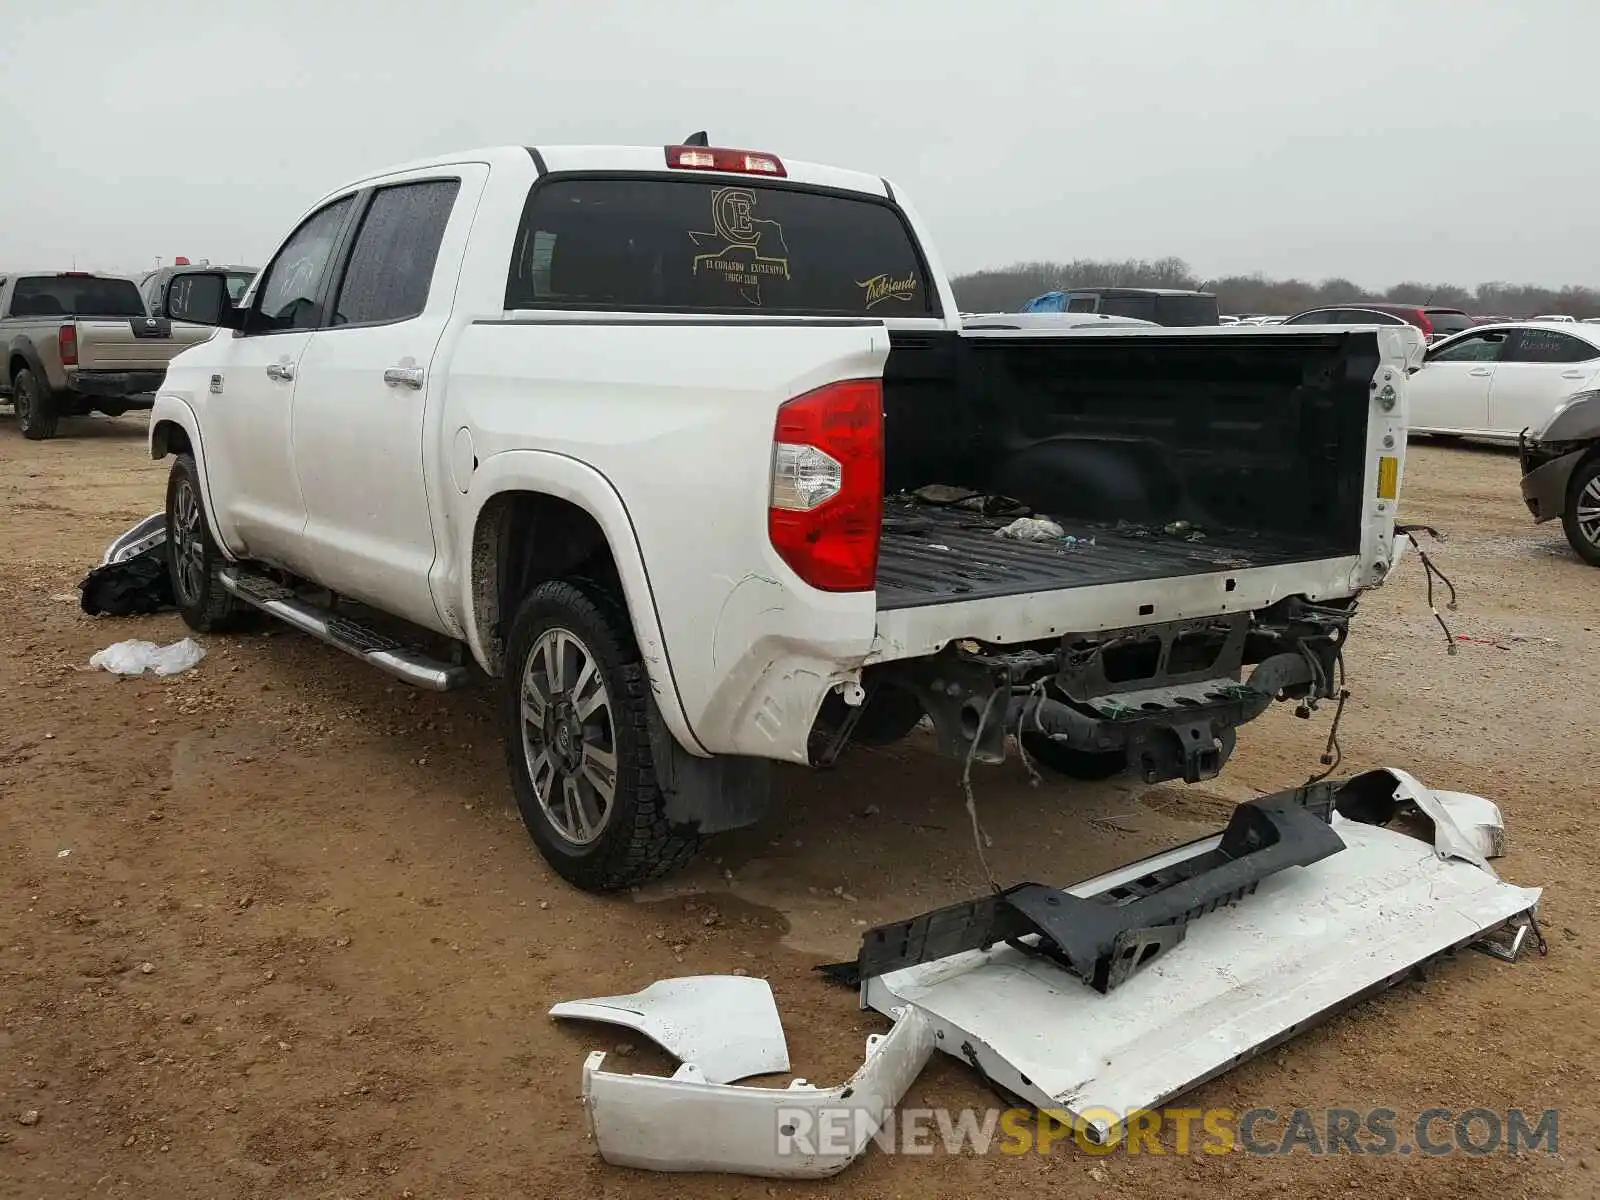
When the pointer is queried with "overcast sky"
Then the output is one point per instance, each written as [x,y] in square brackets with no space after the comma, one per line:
[1437,140]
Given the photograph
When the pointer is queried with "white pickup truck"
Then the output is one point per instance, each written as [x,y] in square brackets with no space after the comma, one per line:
[690,449]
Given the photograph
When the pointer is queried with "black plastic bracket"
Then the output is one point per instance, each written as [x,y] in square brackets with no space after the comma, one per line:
[1106,938]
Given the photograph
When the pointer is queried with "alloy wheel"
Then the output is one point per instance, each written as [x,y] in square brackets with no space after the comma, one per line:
[569,737]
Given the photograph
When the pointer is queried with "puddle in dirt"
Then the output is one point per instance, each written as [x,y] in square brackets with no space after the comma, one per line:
[887,838]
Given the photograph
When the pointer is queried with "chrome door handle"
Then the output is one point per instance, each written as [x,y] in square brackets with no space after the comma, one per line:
[1479,371]
[410,377]
[280,371]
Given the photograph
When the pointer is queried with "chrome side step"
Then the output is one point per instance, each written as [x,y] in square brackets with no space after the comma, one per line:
[375,649]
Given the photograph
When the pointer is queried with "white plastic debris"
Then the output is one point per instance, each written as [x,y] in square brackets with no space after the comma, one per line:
[684,1122]
[726,1025]
[1032,529]
[135,657]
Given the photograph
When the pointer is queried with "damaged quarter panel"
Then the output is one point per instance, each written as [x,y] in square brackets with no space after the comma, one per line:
[1551,454]
[678,417]
[1576,419]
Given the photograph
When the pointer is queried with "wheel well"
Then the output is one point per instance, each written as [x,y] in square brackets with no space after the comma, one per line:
[523,539]
[15,366]
[168,437]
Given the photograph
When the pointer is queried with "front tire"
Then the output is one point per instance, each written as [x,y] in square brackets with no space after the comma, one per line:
[37,413]
[576,722]
[193,559]
[1580,516]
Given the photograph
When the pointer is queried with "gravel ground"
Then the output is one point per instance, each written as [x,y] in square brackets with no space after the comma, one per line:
[272,928]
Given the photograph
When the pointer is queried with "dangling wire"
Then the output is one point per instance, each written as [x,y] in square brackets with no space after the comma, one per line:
[1333,753]
[980,839]
[1035,698]
[1430,570]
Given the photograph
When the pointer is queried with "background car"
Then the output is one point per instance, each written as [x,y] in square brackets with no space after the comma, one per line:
[1494,381]
[1434,322]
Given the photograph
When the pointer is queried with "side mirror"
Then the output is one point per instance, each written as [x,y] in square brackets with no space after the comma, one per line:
[201,298]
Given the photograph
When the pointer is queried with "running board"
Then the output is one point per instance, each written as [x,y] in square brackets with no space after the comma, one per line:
[405,663]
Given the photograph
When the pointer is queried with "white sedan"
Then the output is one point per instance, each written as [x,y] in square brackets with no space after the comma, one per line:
[1494,381]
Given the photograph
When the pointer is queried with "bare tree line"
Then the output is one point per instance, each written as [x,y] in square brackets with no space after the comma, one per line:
[1006,289]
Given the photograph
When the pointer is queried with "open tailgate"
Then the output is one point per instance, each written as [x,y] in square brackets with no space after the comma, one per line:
[1304,944]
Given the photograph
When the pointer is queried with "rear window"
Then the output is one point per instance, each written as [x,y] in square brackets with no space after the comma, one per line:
[1187,310]
[1448,322]
[1142,307]
[75,296]
[238,281]
[701,246]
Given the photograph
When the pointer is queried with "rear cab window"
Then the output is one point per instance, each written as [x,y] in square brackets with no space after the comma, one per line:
[1446,323]
[75,296]
[714,246]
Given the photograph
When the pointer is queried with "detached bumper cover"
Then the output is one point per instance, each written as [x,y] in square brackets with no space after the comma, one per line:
[1103,938]
[726,1025]
[1309,943]
[687,1123]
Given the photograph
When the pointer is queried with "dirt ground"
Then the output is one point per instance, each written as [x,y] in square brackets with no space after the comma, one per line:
[272,928]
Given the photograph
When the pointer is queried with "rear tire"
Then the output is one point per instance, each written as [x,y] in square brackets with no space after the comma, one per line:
[1580,516]
[37,413]
[575,716]
[193,559]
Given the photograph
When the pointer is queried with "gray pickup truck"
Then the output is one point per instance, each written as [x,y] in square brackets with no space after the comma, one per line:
[76,342]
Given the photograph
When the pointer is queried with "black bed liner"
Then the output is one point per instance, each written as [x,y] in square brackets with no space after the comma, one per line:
[935,555]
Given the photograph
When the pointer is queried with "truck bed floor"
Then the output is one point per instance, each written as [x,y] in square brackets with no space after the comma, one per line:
[936,555]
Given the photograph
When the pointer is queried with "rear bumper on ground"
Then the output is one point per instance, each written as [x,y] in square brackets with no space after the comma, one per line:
[1545,479]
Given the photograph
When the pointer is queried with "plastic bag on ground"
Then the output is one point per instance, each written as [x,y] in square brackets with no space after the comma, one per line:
[135,657]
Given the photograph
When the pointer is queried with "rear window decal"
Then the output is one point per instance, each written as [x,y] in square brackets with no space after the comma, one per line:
[886,287]
[745,249]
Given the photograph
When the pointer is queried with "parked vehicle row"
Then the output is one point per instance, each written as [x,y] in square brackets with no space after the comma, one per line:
[77,342]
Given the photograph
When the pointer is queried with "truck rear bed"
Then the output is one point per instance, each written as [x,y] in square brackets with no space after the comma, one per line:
[934,555]
[1180,453]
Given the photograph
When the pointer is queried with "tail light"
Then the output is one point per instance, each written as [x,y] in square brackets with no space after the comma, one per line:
[67,343]
[826,504]
[739,162]
[1425,325]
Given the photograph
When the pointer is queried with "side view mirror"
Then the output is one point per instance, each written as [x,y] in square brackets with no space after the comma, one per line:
[200,298]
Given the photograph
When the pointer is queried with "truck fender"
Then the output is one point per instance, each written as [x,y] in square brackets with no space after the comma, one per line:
[580,484]
[23,348]
[172,411]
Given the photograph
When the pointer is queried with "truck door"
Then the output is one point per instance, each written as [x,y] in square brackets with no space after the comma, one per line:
[250,472]
[361,409]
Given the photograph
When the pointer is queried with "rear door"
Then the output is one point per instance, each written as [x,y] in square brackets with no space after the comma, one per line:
[1451,392]
[1542,367]
[365,387]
